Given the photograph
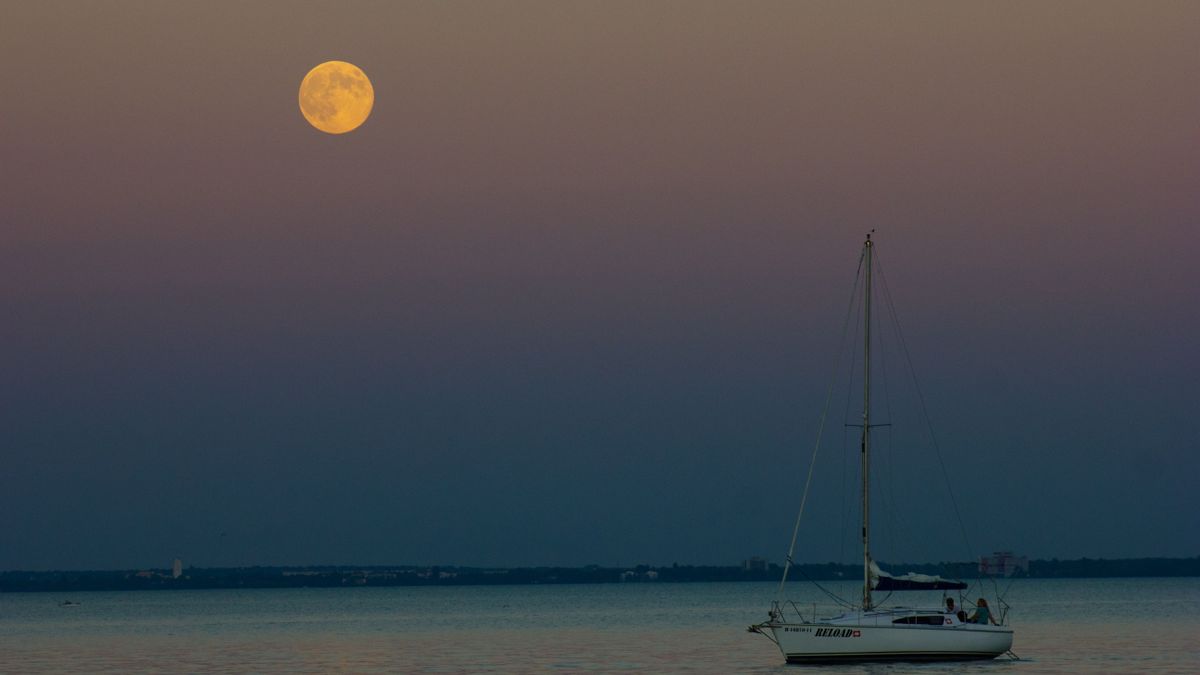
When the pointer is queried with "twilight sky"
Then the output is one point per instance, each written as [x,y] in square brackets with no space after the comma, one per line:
[572,293]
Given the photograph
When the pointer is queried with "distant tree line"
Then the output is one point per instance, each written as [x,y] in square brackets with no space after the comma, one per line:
[345,576]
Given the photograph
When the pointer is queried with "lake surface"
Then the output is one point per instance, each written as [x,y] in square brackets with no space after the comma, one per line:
[1062,626]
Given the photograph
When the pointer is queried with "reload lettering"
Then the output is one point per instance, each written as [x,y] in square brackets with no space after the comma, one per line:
[834,632]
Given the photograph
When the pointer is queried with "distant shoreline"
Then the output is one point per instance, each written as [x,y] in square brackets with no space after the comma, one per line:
[341,576]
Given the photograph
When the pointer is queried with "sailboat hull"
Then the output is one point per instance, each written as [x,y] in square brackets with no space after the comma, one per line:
[863,639]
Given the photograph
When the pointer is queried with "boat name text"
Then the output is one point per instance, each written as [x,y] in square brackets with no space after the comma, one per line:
[836,632]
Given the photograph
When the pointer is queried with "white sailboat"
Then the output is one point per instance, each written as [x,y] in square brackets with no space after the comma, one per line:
[869,632]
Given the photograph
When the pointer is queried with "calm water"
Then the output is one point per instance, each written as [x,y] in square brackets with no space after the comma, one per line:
[1106,625]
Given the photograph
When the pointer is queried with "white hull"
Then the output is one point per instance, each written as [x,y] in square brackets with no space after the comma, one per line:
[874,637]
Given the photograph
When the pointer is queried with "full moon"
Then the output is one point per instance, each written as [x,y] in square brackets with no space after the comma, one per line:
[336,97]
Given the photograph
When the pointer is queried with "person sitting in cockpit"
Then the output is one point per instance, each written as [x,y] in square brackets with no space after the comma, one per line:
[982,613]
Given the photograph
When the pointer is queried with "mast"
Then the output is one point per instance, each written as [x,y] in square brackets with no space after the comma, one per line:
[866,432]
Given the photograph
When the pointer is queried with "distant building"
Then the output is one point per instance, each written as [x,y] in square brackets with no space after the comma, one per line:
[639,574]
[1003,564]
[755,564]
[177,569]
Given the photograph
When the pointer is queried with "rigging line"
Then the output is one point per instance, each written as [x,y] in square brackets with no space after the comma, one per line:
[898,527]
[887,294]
[1000,594]
[996,589]
[836,598]
[843,531]
[887,490]
[820,429]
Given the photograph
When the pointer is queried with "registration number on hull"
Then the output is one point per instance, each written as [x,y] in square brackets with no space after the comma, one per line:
[826,632]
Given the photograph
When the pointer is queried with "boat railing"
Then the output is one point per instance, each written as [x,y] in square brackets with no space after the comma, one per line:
[790,611]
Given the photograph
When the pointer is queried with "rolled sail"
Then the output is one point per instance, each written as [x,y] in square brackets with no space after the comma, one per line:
[882,581]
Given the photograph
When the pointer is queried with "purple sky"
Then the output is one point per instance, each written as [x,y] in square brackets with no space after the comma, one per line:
[571,294]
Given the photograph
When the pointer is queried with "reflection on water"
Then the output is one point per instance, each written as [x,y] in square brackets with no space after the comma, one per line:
[1071,626]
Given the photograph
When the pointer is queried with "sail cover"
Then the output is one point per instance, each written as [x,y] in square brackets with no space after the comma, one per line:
[882,581]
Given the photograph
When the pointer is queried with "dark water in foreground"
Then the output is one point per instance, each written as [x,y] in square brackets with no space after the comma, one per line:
[1067,626]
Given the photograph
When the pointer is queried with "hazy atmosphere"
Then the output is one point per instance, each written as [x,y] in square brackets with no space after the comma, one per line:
[571,294]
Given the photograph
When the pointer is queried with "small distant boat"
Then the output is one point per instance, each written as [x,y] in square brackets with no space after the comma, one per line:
[69,603]
[867,631]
